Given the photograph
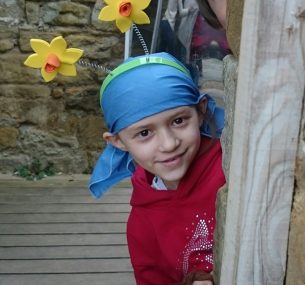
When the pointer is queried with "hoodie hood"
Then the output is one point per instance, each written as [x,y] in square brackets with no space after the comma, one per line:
[198,178]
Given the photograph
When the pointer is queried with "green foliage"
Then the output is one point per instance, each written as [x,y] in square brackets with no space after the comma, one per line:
[35,170]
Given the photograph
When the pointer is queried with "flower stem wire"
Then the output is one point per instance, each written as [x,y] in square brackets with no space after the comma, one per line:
[93,65]
[140,37]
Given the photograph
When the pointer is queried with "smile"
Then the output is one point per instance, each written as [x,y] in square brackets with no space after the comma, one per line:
[173,160]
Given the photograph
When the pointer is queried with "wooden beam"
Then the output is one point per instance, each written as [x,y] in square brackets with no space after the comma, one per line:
[270,94]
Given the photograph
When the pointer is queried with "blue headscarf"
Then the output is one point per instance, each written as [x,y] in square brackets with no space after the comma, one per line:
[139,88]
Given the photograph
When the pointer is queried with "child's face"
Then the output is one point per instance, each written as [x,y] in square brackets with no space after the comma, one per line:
[164,144]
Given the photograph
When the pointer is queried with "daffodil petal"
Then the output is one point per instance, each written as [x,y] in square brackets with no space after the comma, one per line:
[48,76]
[41,47]
[71,55]
[140,17]
[58,45]
[108,13]
[67,69]
[141,4]
[34,60]
[111,2]
[123,23]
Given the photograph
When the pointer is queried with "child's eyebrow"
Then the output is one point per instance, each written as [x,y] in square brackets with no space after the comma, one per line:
[142,126]
[180,112]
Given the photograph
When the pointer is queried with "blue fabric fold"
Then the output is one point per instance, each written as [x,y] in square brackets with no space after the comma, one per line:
[138,93]
[112,166]
[214,120]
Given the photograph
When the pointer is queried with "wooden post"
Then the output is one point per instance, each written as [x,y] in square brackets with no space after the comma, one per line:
[269,101]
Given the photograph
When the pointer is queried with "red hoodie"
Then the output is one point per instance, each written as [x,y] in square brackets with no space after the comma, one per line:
[170,233]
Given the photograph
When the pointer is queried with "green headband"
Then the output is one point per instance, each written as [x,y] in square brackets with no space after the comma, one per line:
[138,62]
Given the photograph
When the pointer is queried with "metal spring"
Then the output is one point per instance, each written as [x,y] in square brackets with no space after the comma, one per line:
[93,65]
[140,37]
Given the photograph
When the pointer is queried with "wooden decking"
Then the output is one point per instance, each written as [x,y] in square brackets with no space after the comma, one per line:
[53,232]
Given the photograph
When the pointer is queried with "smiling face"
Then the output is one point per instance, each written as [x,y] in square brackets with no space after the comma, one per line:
[164,144]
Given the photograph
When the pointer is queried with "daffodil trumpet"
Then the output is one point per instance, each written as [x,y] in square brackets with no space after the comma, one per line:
[53,58]
[125,13]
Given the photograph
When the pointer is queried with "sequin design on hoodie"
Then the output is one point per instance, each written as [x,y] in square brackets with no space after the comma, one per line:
[199,243]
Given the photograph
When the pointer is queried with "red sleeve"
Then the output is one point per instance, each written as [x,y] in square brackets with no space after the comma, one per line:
[146,258]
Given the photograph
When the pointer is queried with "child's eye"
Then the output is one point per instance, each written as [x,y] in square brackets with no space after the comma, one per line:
[143,133]
[178,121]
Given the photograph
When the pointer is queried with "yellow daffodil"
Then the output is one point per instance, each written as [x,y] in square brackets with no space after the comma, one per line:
[53,58]
[125,12]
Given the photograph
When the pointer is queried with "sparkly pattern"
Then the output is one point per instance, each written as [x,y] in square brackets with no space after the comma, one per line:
[198,244]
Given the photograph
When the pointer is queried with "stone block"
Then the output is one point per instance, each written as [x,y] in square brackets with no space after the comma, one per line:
[12,12]
[8,32]
[66,13]
[25,111]
[90,133]
[55,147]
[13,70]
[26,35]
[96,23]
[9,160]
[8,137]
[24,91]
[82,100]
[32,12]
[6,45]
[94,47]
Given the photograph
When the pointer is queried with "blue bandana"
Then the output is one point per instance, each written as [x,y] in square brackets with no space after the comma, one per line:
[139,88]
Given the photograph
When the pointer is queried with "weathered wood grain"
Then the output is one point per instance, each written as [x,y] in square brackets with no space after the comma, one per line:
[28,218]
[269,101]
[68,279]
[56,233]
[62,239]
[63,252]
[63,228]
[57,190]
[62,199]
[65,266]
[64,208]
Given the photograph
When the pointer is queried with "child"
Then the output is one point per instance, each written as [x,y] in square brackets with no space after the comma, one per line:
[157,118]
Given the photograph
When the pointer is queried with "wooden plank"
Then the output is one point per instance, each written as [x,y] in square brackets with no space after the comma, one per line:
[65,208]
[65,266]
[62,235]
[64,252]
[63,239]
[60,228]
[57,181]
[29,218]
[68,279]
[269,101]
[67,191]
[62,199]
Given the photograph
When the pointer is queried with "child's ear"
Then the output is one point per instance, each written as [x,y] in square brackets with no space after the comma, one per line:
[114,140]
[202,108]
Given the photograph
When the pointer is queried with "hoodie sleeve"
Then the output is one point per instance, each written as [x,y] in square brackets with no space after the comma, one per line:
[149,268]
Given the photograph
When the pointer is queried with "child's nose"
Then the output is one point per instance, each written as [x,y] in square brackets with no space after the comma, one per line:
[168,141]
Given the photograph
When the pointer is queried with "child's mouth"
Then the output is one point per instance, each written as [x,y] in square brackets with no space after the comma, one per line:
[173,160]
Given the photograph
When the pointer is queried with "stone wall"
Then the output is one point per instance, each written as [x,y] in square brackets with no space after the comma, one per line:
[60,121]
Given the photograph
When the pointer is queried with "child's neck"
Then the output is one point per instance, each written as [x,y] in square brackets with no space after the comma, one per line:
[159,184]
